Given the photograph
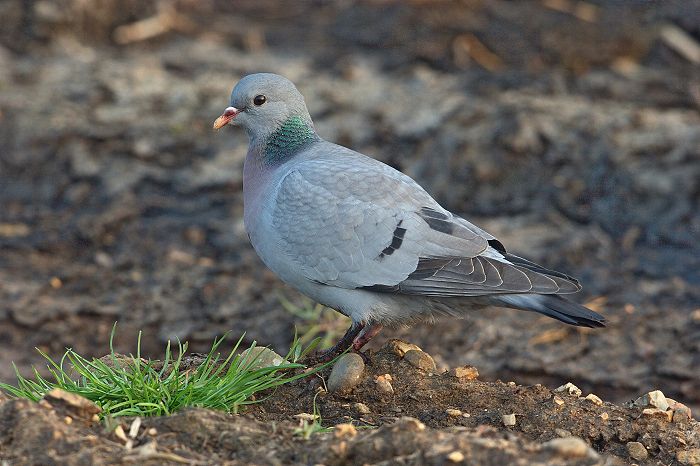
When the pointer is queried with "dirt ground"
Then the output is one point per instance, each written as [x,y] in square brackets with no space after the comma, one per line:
[425,418]
[570,130]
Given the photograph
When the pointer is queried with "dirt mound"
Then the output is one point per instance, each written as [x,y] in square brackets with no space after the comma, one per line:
[426,418]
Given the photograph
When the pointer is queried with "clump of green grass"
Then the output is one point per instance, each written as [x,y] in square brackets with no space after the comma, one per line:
[132,386]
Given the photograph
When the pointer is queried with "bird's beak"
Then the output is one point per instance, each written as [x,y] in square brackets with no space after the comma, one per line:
[228,115]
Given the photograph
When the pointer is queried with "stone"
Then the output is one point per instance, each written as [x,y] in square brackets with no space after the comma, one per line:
[666,415]
[557,400]
[421,360]
[259,357]
[344,431]
[74,404]
[654,399]
[508,420]
[691,456]
[681,413]
[346,373]
[455,457]
[361,408]
[637,451]
[569,388]
[562,433]
[410,424]
[383,383]
[465,372]
[594,399]
[570,447]
[400,347]
[453,412]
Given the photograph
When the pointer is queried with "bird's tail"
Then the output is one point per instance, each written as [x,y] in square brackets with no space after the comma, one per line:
[553,306]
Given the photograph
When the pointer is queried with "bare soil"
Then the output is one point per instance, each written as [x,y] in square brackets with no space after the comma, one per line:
[427,419]
[571,133]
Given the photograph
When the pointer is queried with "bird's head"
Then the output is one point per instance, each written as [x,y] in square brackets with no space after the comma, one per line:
[261,103]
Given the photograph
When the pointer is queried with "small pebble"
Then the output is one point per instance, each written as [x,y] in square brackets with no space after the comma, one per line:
[637,451]
[259,357]
[346,373]
[604,416]
[383,383]
[562,433]
[400,347]
[420,360]
[412,424]
[557,400]
[667,415]
[569,388]
[308,417]
[68,420]
[691,456]
[456,457]
[594,399]
[453,412]
[655,399]
[361,408]
[465,372]
[569,447]
[681,413]
[152,431]
[344,431]
[508,420]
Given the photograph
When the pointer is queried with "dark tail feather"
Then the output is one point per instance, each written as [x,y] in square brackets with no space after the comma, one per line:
[553,306]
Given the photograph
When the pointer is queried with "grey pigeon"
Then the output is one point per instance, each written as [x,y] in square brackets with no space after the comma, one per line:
[362,238]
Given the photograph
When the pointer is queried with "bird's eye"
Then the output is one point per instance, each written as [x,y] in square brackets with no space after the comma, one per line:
[259,100]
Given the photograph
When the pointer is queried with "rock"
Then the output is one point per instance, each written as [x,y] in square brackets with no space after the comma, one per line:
[570,447]
[508,420]
[308,417]
[409,424]
[400,347]
[654,399]
[420,360]
[361,408]
[74,404]
[594,399]
[691,456]
[637,451]
[346,373]
[681,413]
[383,383]
[557,400]
[344,431]
[465,372]
[604,416]
[455,457]
[562,433]
[453,412]
[259,357]
[666,415]
[569,388]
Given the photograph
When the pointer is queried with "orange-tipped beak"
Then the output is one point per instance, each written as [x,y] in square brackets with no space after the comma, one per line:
[228,115]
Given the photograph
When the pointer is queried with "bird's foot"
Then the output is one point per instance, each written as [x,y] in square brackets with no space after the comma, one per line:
[345,342]
[367,333]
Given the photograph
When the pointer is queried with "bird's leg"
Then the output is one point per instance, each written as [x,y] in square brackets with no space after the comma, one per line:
[344,343]
[367,333]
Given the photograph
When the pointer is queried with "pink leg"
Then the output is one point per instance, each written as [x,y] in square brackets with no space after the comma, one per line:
[367,333]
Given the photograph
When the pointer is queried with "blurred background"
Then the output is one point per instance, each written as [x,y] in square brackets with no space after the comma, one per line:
[569,129]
